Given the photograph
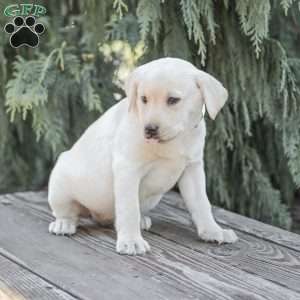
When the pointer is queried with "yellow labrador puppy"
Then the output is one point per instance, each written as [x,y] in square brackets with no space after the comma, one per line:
[124,162]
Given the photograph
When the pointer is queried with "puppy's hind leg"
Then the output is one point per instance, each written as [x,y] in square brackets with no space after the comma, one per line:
[146,206]
[65,210]
[146,223]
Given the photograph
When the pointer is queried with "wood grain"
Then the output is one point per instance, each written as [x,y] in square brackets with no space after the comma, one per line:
[75,266]
[250,226]
[186,271]
[17,283]
[262,258]
[238,222]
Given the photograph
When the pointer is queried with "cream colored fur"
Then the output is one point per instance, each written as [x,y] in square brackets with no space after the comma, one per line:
[118,175]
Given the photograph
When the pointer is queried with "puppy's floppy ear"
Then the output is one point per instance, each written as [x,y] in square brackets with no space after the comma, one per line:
[131,90]
[214,93]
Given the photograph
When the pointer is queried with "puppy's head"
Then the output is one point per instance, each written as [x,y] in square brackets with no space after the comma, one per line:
[168,95]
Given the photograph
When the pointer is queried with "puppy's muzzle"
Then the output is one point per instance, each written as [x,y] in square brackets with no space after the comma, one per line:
[151,131]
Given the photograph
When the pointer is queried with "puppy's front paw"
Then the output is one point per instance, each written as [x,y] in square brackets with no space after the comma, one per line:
[63,227]
[219,235]
[132,246]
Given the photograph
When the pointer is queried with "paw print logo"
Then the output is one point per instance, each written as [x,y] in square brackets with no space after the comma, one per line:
[24,32]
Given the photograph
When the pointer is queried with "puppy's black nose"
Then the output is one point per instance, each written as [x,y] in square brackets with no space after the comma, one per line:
[151,130]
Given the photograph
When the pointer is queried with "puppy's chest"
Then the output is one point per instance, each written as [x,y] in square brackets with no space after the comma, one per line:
[161,176]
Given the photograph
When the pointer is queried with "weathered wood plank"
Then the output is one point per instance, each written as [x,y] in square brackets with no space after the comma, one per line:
[18,283]
[195,274]
[76,267]
[241,223]
[264,231]
[257,256]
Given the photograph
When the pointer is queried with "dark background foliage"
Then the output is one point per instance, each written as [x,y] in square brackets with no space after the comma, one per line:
[50,94]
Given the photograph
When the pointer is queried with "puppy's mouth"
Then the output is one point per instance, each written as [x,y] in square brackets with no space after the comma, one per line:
[166,140]
[159,140]
[152,140]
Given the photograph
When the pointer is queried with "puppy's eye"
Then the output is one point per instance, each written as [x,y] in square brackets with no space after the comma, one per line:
[144,99]
[172,100]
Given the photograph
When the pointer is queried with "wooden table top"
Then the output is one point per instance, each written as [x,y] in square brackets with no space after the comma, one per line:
[263,264]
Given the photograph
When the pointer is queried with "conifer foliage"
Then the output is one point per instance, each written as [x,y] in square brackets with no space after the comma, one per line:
[49,95]
[253,148]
